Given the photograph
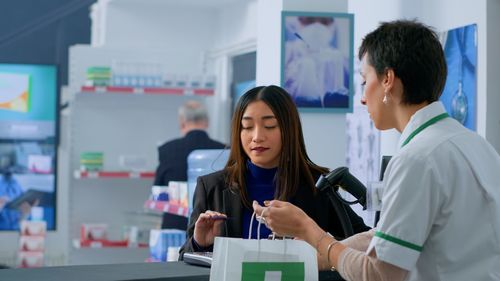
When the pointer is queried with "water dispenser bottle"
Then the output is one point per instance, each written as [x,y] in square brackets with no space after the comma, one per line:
[202,162]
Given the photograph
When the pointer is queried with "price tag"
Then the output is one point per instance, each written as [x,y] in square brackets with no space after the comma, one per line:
[100,89]
[138,90]
[95,244]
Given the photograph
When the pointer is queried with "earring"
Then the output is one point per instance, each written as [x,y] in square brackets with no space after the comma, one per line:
[385,100]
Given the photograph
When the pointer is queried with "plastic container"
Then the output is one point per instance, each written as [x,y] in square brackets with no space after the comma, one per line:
[202,162]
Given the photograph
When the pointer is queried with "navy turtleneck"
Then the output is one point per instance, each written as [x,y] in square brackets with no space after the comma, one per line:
[260,187]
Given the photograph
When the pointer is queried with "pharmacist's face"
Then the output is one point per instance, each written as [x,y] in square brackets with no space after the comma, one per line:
[261,135]
[373,96]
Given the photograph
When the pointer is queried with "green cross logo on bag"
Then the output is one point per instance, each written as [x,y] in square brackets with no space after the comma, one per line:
[273,271]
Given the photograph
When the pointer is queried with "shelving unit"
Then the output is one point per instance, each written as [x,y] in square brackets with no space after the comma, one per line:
[166,207]
[118,121]
[152,91]
[113,175]
[106,244]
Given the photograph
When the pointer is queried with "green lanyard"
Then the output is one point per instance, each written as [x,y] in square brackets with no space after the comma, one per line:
[423,126]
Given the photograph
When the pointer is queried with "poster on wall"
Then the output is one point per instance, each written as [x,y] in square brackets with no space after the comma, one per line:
[460,92]
[317,60]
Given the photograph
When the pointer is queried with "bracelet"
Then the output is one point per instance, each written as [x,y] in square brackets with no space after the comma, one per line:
[328,248]
[321,238]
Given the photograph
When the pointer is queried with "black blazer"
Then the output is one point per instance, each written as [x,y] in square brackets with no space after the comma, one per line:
[173,166]
[212,193]
[173,155]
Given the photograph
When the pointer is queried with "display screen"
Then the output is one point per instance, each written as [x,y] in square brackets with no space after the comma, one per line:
[28,144]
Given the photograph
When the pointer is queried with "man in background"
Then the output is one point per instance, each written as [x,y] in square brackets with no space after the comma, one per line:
[193,119]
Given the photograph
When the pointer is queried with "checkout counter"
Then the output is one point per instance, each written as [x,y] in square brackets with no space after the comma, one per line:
[178,271]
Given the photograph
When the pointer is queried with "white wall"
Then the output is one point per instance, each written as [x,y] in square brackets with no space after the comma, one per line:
[186,31]
[235,24]
[492,73]
[324,133]
[367,17]
[235,34]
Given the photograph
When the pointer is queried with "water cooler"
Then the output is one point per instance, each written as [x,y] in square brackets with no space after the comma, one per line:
[202,162]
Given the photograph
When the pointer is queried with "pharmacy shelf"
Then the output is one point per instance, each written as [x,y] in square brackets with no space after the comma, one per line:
[146,90]
[113,175]
[166,207]
[78,244]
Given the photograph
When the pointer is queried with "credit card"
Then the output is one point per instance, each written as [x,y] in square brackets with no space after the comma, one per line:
[218,217]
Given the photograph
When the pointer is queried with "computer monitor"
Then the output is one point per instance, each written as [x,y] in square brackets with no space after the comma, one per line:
[28,141]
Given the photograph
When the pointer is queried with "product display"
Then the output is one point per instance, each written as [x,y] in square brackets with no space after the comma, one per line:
[31,244]
[160,240]
[91,161]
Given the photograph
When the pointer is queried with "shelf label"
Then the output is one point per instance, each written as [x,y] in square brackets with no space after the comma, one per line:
[189,92]
[100,89]
[135,175]
[138,90]
[95,244]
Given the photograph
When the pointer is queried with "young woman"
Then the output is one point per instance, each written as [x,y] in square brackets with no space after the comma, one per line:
[441,204]
[268,160]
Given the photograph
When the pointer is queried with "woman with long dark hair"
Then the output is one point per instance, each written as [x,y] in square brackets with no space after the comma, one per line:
[267,161]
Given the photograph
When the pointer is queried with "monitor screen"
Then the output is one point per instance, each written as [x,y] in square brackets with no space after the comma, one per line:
[28,144]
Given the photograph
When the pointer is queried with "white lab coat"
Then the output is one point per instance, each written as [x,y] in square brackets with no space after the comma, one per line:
[440,217]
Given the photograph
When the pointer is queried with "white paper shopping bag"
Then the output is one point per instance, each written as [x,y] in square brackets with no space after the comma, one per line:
[263,260]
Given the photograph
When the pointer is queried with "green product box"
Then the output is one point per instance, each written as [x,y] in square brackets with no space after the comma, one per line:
[91,161]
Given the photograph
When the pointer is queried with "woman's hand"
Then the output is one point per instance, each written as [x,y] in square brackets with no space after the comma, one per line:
[207,227]
[285,219]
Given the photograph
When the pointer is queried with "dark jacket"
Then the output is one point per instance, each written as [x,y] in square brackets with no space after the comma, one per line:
[212,193]
[173,166]
[173,155]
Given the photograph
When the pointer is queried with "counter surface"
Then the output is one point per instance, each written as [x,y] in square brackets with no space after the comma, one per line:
[169,271]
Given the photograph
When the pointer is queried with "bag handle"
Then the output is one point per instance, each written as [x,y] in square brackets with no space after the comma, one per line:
[258,226]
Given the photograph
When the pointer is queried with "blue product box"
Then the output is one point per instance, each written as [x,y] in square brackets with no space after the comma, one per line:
[161,239]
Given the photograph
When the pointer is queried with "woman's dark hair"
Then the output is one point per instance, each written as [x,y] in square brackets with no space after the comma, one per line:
[413,51]
[294,166]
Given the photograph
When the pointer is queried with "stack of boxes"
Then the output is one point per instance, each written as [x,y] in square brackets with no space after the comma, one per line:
[31,244]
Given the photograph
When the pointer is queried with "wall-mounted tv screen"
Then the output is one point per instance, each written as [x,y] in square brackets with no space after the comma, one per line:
[28,144]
